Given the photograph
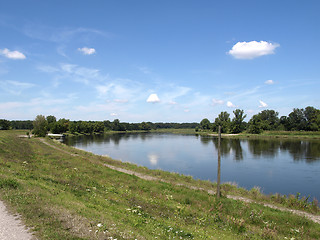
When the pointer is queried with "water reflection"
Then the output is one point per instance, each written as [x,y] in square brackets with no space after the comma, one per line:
[153,159]
[308,151]
[230,147]
[264,147]
[302,150]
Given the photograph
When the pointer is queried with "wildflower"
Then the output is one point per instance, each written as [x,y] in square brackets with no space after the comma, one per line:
[99,225]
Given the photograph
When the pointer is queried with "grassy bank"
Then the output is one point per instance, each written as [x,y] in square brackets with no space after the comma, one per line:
[265,134]
[65,193]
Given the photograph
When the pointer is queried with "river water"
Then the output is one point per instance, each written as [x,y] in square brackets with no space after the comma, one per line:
[275,165]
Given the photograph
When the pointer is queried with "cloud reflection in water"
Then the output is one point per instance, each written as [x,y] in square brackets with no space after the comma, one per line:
[153,159]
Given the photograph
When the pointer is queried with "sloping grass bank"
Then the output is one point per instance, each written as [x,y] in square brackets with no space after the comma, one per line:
[65,193]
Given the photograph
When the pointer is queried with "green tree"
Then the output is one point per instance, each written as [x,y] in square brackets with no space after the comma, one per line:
[117,126]
[73,127]
[56,127]
[222,120]
[51,120]
[237,124]
[297,120]
[312,116]
[145,126]
[269,119]
[255,125]
[4,124]
[98,127]
[205,124]
[40,126]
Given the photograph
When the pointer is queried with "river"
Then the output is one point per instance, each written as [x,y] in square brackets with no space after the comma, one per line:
[275,165]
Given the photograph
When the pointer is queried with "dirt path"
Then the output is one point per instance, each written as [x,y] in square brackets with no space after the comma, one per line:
[11,228]
[314,218]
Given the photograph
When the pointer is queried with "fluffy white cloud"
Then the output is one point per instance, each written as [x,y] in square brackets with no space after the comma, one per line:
[153,98]
[262,104]
[269,82]
[217,102]
[113,114]
[253,49]
[12,54]
[87,51]
[230,105]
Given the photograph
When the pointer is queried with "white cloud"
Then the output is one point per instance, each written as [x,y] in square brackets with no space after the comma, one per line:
[77,73]
[253,49]
[262,104]
[153,98]
[87,51]
[269,82]
[120,92]
[174,93]
[186,110]
[12,54]
[217,102]
[113,114]
[14,87]
[230,105]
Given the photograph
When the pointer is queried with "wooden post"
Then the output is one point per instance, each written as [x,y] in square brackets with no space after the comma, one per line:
[219,163]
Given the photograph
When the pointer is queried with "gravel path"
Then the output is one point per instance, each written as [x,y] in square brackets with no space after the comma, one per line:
[11,228]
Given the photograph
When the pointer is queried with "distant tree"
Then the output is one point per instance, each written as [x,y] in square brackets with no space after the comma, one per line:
[56,127]
[312,116]
[51,120]
[237,124]
[145,126]
[205,124]
[107,125]
[73,127]
[255,125]
[98,127]
[269,119]
[22,124]
[40,126]
[297,120]
[4,124]
[117,126]
[222,120]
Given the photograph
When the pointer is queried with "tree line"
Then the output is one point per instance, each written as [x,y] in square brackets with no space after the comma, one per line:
[307,119]
[41,125]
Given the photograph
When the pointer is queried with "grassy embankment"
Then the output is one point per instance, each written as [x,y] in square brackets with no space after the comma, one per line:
[65,193]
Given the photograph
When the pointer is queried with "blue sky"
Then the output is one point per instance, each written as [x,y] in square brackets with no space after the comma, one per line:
[169,61]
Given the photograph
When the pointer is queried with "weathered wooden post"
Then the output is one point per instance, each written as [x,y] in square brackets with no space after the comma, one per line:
[219,163]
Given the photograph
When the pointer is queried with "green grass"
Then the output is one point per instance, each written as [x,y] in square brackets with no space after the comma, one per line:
[65,196]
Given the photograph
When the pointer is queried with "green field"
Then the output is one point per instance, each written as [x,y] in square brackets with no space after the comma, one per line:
[65,193]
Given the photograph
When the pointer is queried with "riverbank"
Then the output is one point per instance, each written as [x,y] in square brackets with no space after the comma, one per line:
[66,193]
[265,134]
